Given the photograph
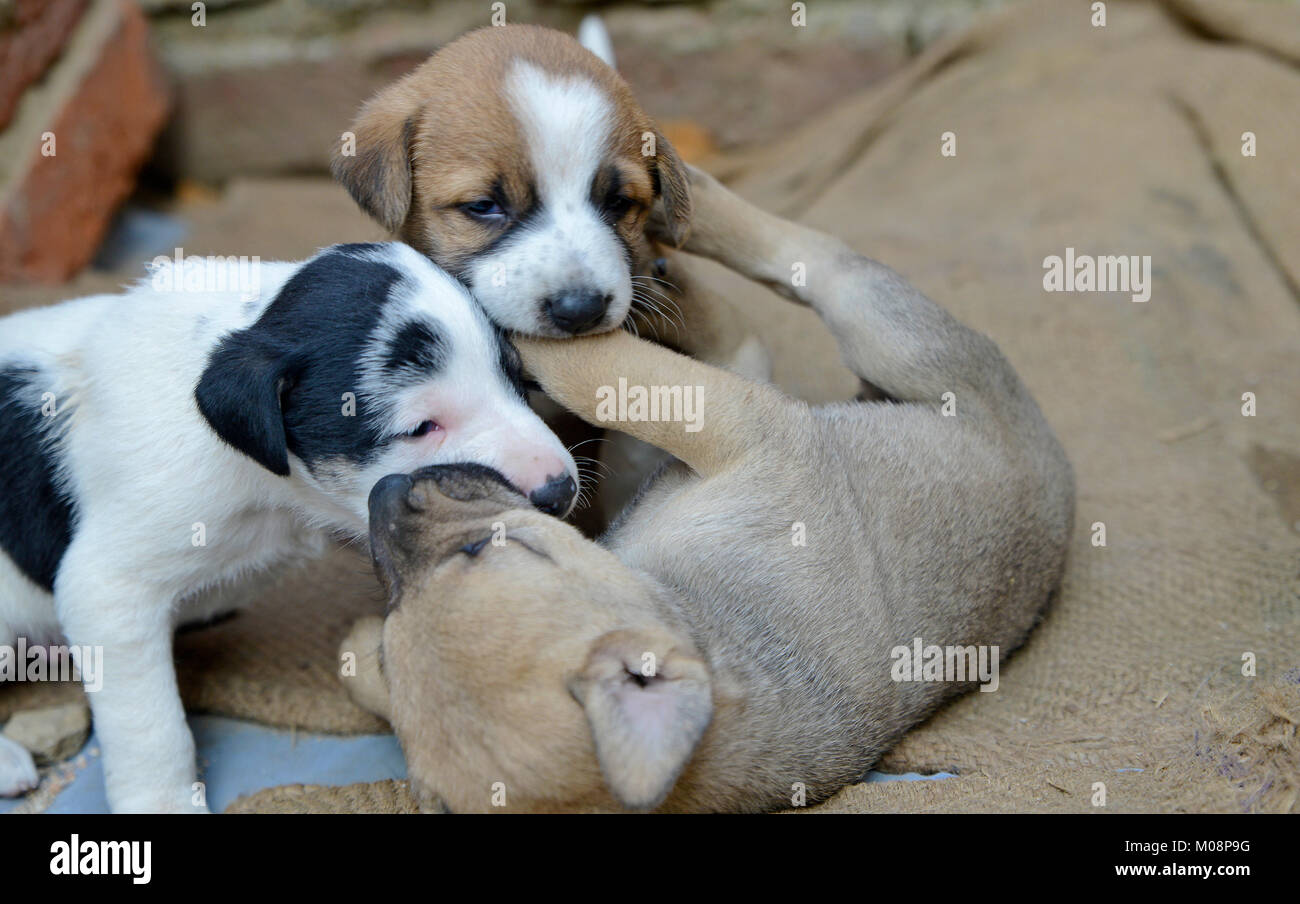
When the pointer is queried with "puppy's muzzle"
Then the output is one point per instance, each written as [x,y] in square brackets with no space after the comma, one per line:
[390,498]
[389,503]
[577,310]
[422,517]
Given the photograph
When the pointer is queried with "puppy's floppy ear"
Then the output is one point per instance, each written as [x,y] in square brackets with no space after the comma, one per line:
[239,396]
[674,187]
[645,726]
[378,173]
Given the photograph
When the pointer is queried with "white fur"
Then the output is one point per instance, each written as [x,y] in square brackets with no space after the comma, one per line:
[18,773]
[144,467]
[566,123]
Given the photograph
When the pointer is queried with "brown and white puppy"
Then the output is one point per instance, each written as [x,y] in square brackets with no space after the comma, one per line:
[521,163]
[702,658]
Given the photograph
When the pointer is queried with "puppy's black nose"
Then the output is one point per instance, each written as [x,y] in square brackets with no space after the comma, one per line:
[577,310]
[389,498]
[554,496]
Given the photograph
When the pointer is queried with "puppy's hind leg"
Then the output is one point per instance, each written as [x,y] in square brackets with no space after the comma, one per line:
[889,333]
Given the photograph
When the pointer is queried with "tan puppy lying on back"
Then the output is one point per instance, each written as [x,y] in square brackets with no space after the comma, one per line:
[701,660]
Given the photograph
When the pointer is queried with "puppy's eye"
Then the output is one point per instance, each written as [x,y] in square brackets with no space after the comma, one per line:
[618,205]
[483,209]
[424,429]
[473,549]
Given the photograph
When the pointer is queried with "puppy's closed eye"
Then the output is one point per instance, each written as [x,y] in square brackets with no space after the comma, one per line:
[473,549]
[617,206]
[484,210]
[424,428]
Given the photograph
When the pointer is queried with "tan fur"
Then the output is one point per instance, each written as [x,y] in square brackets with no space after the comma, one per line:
[517,668]
[443,136]
[366,681]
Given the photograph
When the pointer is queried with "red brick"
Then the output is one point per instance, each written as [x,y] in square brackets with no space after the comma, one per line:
[55,215]
[29,42]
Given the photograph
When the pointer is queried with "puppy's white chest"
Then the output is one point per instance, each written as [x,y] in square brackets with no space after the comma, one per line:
[274,535]
[254,541]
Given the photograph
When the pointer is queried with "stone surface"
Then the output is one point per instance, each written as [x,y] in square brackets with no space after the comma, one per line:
[51,734]
[274,219]
[32,32]
[283,118]
[105,101]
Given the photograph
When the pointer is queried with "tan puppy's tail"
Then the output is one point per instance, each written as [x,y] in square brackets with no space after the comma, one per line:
[361,658]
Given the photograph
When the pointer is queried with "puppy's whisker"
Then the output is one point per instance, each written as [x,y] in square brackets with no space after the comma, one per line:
[672,303]
[645,315]
[671,285]
[594,439]
[667,296]
[596,466]
[650,292]
[666,300]
[582,500]
[591,476]
[645,306]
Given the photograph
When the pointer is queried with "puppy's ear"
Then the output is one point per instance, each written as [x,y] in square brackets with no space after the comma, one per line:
[648,700]
[674,186]
[377,174]
[239,396]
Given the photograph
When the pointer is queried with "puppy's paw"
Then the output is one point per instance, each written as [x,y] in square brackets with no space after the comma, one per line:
[18,773]
[362,668]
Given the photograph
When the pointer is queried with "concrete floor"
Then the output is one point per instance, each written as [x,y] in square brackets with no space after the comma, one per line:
[238,758]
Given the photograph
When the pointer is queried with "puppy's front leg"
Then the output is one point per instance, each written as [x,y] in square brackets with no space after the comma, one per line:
[705,416]
[123,632]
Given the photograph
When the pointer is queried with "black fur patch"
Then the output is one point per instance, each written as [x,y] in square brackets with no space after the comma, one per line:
[512,365]
[279,386]
[416,353]
[606,196]
[36,516]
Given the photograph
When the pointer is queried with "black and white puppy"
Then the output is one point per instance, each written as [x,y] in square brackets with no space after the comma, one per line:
[162,445]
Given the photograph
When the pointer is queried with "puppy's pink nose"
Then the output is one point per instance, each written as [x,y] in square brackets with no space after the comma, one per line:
[555,496]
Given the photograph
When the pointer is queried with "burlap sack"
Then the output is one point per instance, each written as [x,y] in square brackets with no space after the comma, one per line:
[1122,139]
